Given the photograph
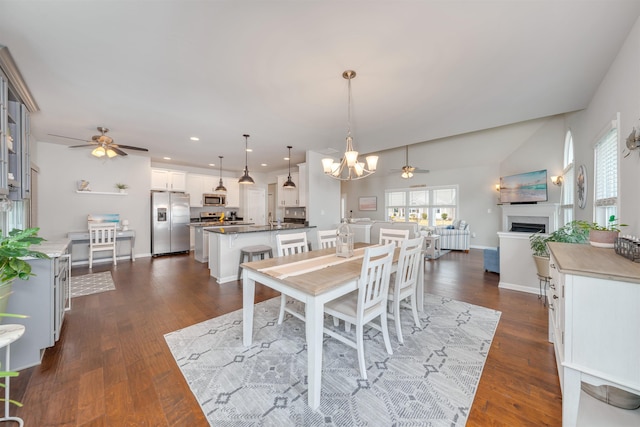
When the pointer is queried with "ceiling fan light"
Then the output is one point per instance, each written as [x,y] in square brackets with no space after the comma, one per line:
[98,152]
[111,153]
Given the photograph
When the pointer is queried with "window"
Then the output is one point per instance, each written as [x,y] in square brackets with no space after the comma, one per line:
[606,176]
[568,181]
[429,206]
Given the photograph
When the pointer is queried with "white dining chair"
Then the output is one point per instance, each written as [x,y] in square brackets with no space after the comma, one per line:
[327,238]
[289,244]
[392,235]
[102,237]
[406,280]
[368,302]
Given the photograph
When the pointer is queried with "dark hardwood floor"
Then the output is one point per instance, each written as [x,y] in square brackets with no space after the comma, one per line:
[112,366]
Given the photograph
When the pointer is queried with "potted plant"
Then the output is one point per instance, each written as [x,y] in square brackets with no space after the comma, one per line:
[121,187]
[605,236]
[13,248]
[576,231]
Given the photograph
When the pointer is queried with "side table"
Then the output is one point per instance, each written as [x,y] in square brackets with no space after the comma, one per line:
[8,334]
[433,246]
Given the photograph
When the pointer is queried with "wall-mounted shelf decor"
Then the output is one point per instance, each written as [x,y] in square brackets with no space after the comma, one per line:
[108,193]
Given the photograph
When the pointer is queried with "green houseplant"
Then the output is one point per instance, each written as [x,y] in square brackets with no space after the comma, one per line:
[13,248]
[604,236]
[121,187]
[576,231]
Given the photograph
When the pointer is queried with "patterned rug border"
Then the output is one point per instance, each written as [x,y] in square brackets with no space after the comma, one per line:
[431,380]
[92,283]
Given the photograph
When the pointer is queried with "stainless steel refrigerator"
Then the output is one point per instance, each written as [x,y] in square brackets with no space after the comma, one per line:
[170,218]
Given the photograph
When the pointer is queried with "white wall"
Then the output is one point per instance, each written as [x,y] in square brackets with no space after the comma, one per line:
[475,162]
[618,92]
[61,209]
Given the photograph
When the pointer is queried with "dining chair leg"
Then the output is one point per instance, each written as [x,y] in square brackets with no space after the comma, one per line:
[114,257]
[90,260]
[414,308]
[385,332]
[336,321]
[360,350]
[347,326]
[396,319]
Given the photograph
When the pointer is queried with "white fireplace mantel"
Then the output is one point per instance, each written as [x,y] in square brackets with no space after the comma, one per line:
[540,213]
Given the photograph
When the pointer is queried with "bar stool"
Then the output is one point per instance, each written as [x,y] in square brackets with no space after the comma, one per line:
[251,251]
[9,334]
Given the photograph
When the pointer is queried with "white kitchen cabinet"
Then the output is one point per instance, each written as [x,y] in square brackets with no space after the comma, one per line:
[194,188]
[594,312]
[168,180]
[289,197]
[233,192]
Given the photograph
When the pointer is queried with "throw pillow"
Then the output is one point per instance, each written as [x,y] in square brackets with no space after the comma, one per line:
[462,225]
[456,224]
[450,227]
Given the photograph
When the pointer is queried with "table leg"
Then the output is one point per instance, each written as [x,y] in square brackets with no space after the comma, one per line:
[133,245]
[248,299]
[314,322]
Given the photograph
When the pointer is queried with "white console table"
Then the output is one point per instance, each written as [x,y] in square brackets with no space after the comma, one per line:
[594,313]
[77,237]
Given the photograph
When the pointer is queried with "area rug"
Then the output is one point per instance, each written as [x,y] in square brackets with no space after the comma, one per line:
[440,253]
[91,284]
[431,380]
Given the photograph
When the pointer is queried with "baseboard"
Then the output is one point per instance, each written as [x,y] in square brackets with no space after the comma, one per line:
[519,288]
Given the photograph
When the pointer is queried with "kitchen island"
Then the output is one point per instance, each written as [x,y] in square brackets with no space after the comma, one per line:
[225,244]
[201,239]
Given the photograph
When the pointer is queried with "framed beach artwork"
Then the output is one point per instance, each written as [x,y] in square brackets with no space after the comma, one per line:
[368,203]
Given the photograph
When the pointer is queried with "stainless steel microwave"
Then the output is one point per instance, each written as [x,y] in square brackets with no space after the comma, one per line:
[214,200]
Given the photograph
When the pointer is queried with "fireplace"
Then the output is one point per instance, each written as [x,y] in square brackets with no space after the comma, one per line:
[530,218]
[526,227]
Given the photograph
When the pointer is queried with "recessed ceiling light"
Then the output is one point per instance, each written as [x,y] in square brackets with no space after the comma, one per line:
[212,164]
[194,138]
[167,158]
[286,158]
[249,150]
[263,164]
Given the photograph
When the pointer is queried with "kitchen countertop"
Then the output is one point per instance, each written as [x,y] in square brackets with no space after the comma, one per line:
[217,223]
[53,248]
[237,229]
[586,260]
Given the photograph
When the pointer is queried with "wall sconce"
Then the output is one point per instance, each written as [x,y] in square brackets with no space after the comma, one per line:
[497,187]
[556,180]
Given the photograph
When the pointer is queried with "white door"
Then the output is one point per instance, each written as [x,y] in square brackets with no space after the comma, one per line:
[256,206]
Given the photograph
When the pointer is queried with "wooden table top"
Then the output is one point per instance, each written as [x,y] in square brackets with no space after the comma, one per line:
[587,260]
[318,281]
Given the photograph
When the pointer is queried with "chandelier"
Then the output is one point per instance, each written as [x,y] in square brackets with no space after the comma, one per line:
[349,168]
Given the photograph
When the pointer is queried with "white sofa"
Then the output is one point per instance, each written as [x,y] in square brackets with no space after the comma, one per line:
[455,237]
[369,231]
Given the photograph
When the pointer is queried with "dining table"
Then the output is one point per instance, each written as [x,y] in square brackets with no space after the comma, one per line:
[315,278]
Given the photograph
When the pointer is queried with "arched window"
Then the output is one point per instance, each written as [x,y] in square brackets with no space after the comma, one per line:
[568,182]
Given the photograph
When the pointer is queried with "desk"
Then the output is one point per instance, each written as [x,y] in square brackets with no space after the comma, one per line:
[314,288]
[83,237]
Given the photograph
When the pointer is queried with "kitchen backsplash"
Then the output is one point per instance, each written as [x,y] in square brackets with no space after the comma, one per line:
[297,212]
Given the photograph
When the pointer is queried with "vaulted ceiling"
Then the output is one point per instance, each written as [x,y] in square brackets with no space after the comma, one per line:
[159,72]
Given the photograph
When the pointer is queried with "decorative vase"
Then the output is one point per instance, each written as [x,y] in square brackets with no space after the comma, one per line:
[122,190]
[603,238]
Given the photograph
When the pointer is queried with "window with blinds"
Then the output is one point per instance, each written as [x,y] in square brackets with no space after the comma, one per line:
[427,206]
[606,177]
[568,181]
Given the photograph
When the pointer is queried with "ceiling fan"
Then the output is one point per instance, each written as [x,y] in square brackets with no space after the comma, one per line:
[104,143]
[407,170]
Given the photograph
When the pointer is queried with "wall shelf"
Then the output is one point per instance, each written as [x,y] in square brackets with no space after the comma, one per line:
[107,193]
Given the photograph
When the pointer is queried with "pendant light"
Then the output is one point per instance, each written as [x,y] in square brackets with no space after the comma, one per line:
[221,188]
[349,168]
[245,178]
[290,185]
